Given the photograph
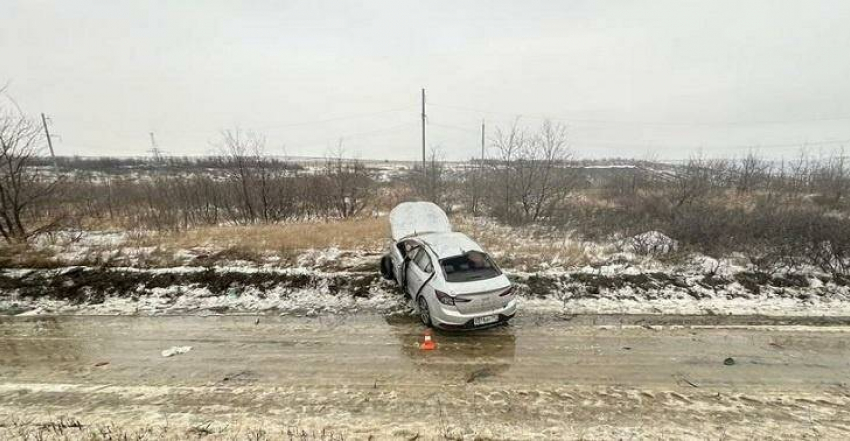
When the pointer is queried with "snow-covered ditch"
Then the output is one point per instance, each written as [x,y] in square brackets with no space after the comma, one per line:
[703,287]
[631,275]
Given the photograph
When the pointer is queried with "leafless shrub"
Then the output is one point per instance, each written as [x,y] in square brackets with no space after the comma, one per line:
[780,215]
[531,175]
[241,186]
[348,185]
[264,196]
[429,181]
[832,179]
[750,173]
[25,190]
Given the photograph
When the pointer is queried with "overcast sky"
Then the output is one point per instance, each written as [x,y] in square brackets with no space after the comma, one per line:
[662,79]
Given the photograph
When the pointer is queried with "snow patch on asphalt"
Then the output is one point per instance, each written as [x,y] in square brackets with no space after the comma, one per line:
[176,350]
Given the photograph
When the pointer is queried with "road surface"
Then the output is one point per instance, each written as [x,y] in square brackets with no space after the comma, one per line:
[363,377]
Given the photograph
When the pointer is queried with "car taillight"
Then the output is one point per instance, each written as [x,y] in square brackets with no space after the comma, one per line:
[507,292]
[447,299]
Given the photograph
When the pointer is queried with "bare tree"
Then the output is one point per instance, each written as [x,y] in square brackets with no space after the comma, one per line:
[553,179]
[24,187]
[693,181]
[349,183]
[429,181]
[533,172]
[832,178]
[749,173]
[508,145]
[243,159]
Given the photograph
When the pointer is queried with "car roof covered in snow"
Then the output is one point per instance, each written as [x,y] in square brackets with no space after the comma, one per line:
[449,244]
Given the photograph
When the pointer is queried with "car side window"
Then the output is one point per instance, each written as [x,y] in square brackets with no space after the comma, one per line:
[423,261]
[411,252]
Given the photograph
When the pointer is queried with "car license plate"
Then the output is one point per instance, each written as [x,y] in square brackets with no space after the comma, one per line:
[485,320]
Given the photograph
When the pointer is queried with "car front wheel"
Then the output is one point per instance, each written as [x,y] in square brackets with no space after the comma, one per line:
[387,268]
[424,312]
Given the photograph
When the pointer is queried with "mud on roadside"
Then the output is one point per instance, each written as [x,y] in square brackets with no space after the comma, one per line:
[93,285]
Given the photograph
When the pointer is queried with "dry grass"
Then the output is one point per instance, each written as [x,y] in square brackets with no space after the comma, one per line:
[281,243]
[352,234]
[22,256]
[521,248]
[525,248]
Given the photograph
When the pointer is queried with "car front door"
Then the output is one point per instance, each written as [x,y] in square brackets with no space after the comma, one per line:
[398,252]
[413,275]
[419,270]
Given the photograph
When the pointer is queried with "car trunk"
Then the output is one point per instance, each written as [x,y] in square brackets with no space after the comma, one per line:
[483,295]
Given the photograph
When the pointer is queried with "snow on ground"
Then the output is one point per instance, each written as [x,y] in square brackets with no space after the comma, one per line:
[555,274]
[701,286]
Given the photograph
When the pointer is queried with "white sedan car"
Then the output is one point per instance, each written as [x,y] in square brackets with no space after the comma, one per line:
[452,281]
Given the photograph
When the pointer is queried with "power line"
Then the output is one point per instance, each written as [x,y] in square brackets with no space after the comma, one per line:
[462,129]
[713,147]
[134,133]
[343,136]
[358,134]
[341,118]
[647,123]
[614,144]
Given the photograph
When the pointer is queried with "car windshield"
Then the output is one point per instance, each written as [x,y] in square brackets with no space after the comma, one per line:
[473,265]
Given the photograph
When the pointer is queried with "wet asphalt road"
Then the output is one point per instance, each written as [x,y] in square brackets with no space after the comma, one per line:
[365,376]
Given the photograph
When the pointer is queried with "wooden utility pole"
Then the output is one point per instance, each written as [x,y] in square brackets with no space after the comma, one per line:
[423,129]
[478,176]
[49,141]
[482,143]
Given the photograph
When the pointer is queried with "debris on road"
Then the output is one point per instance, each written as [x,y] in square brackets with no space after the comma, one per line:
[478,374]
[729,361]
[682,379]
[176,350]
[101,363]
[245,376]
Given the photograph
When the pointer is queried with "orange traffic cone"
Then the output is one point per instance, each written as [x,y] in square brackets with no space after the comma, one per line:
[428,344]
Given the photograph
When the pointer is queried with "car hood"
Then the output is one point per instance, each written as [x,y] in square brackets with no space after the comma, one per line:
[412,218]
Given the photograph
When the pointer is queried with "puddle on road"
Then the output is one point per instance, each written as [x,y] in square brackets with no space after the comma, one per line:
[472,356]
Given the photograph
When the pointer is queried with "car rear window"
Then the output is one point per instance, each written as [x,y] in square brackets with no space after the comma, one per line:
[470,266]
